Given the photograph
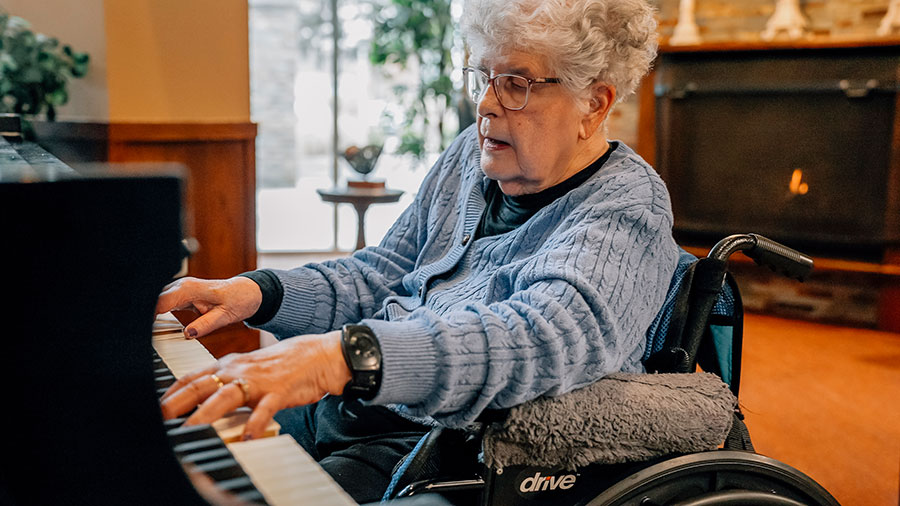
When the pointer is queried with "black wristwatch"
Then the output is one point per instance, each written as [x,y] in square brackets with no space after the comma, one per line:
[363,356]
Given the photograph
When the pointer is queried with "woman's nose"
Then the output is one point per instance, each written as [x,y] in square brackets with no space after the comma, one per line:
[489,105]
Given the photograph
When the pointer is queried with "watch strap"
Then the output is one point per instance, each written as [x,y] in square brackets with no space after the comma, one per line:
[363,356]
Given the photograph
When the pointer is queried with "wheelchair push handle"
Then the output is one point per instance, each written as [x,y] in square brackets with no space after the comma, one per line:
[764,251]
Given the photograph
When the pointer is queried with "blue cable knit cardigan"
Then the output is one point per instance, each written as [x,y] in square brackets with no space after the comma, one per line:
[554,305]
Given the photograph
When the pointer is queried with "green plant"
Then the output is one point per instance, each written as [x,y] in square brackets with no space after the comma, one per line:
[421,31]
[34,70]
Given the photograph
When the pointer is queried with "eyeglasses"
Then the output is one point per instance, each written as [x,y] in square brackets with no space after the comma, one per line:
[512,91]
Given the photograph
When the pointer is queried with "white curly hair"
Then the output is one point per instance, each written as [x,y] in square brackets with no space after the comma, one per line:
[582,41]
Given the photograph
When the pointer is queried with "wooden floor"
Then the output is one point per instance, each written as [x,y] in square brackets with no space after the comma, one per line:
[826,400]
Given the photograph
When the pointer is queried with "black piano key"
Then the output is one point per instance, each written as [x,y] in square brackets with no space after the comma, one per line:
[173,423]
[200,445]
[164,384]
[241,487]
[222,469]
[201,457]
[162,375]
[188,433]
[236,484]
[252,496]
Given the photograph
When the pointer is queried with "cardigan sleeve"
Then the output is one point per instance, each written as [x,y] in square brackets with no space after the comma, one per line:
[576,314]
[321,297]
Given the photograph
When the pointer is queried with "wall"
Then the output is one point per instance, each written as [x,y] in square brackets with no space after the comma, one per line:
[158,61]
[177,60]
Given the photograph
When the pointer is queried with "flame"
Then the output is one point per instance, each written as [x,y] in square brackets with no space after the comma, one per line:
[797,186]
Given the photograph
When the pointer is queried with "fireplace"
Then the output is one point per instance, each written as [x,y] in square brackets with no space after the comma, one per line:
[794,143]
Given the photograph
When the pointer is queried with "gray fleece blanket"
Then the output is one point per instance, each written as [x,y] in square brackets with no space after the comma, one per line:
[620,418]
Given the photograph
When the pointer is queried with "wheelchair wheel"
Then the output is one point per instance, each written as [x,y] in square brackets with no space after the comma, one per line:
[716,478]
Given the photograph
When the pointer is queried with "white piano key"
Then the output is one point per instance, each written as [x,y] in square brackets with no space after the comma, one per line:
[231,426]
[286,475]
[182,355]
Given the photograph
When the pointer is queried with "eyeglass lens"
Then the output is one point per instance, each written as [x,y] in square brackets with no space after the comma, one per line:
[511,90]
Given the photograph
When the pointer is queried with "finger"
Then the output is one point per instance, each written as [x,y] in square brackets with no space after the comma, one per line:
[215,319]
[185,380]
[174,296]
[188,397]
[261,416]
[223,401]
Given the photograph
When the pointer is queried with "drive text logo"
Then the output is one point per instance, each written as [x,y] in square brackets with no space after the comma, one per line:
[539,483]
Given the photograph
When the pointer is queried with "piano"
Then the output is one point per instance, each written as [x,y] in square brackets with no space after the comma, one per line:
[85,357]
[85,258]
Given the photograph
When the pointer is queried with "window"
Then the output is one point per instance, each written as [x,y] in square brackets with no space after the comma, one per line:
[292,89]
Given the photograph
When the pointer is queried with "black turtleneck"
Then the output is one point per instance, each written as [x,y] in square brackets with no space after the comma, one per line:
[504,212]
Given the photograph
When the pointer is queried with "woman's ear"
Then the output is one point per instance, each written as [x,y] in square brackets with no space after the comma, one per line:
[602,98]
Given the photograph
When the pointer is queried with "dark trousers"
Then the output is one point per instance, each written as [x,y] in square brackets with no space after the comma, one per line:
[358,445]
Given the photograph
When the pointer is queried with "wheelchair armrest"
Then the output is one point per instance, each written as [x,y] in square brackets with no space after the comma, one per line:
[620,418]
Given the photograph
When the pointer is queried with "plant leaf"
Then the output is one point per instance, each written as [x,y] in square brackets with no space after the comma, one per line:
[35,69]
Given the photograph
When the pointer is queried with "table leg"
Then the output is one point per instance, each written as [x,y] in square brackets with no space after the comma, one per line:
[361,225]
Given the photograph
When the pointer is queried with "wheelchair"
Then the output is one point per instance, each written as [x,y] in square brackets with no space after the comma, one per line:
[699,326]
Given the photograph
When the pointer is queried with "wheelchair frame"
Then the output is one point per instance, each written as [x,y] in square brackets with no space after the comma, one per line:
[733,474]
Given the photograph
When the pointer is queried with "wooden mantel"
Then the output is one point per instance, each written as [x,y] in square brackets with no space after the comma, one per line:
[807,43]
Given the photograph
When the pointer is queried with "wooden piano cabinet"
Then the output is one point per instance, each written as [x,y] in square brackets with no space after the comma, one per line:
[219,189]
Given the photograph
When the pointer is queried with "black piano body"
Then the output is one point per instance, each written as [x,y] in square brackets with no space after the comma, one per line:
[84,258]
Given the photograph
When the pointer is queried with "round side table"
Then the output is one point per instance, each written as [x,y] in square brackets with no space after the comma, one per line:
[361,199]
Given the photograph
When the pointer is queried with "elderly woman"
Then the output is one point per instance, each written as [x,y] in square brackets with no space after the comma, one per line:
[532,261]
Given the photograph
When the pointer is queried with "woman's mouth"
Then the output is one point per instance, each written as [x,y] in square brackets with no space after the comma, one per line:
[492,144]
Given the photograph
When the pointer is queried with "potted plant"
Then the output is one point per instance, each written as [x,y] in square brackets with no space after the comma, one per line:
[34,71]
[420,31]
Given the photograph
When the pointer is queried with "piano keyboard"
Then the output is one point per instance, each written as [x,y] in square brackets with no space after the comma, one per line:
[287,474]
[182,356]
[200,448]
[275,468]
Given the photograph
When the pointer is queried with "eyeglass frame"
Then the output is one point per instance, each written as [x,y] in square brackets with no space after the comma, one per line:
[493,84]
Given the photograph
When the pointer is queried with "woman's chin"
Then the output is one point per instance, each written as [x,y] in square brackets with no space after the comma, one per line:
[508,182]
[494,172]
[498,167]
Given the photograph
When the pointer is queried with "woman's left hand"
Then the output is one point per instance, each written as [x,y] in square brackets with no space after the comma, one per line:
[293,372]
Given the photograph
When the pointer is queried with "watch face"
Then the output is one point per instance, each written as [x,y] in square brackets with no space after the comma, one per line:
[363,352]
[363,356]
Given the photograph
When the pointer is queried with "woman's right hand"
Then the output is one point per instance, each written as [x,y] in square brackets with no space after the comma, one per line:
[219,302]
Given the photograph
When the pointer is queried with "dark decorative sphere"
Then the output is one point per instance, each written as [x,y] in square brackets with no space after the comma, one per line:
[363,159]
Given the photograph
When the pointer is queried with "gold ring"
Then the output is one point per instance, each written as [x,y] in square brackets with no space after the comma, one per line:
[217,380]
[245,388]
